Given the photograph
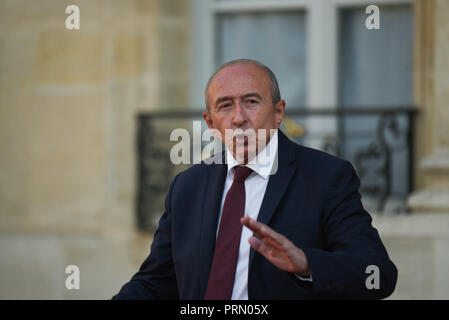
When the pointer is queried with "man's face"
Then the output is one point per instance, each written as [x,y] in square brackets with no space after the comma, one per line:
[239,97]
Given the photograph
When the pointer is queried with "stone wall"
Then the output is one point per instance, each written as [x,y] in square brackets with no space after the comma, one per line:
[431,89]
[68,105]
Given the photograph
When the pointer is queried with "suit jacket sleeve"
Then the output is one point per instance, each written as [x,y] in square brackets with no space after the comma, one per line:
[156,277]
[351,244]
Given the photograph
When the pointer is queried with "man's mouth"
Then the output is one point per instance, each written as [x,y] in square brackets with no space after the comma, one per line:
[241,139]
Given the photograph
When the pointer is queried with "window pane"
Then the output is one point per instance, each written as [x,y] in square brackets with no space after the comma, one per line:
[376,65]
[376,71]
[275,39]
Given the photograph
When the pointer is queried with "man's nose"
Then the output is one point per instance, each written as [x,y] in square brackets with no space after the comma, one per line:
[239,117]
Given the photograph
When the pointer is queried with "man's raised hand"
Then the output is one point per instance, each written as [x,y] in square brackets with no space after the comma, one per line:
[276,248]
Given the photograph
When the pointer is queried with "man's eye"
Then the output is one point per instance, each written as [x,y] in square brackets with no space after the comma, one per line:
[252,101]
[224,106]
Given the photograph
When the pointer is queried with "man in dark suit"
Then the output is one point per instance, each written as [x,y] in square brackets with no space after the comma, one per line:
[236,231]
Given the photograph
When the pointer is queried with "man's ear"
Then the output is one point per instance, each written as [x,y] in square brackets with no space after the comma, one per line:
[279,110]
[208,119]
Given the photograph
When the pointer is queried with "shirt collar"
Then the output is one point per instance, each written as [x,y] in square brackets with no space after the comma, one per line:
[263,163]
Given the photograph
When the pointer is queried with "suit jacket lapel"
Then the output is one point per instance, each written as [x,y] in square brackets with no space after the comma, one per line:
[277,183]
[209,221]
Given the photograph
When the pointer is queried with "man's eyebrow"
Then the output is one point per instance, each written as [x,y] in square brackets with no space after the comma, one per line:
[252,95]
[221,99]
[246,96]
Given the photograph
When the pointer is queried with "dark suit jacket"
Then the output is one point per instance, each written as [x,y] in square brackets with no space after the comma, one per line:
[312,199]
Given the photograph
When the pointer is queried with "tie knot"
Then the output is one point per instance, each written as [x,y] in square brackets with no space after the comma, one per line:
[241,173]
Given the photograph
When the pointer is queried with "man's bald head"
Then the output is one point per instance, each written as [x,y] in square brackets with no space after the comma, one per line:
[273,83]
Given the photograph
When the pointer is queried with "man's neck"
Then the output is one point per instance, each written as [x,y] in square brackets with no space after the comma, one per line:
[263,162]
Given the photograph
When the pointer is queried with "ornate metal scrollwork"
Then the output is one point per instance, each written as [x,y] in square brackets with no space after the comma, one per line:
[374,164]
[154,173]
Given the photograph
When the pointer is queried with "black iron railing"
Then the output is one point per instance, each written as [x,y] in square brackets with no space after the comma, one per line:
[378,142]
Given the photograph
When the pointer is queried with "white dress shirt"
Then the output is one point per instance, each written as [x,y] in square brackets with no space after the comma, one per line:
[255,186]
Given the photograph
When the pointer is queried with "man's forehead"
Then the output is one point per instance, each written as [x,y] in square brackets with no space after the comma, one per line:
[239,70]
[233,77]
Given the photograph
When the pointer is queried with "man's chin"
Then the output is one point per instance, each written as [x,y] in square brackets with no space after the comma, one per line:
[244,156]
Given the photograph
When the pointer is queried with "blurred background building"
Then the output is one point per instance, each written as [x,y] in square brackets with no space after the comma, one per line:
[85,118]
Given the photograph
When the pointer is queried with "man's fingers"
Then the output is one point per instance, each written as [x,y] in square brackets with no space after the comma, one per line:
[270,242]
[273,235]
[255,226]
[247,222]
[259,246]
[250,223]
[262,231]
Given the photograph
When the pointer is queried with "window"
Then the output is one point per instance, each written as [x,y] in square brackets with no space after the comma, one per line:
[376,71]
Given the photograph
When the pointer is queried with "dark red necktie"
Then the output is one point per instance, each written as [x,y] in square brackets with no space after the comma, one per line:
[224,262]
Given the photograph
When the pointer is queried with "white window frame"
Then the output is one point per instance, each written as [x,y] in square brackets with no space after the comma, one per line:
[322,27]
